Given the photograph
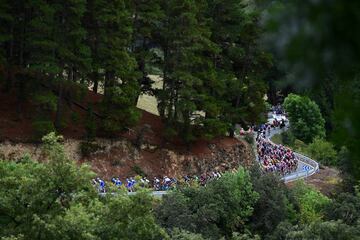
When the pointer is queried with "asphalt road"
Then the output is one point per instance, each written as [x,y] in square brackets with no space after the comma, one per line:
[304,169]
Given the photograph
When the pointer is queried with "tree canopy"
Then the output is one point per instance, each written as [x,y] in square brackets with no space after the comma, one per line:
[305,118]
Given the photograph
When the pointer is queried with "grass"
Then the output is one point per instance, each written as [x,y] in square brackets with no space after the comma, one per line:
[277,139]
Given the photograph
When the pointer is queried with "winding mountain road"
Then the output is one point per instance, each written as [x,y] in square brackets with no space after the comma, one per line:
[306,166]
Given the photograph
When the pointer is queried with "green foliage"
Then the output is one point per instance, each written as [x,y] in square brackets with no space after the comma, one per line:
[42,127]
[268,106]
[322,151]
[306,121]
[134,215]
[88,147]
[138,170]
[332,230]
[214,128]
[345,207]
[170,133]
[299,145]
[249,138]
[245,236]
[221,208]
[90,124]
[178,234]
[288,138]
[45,101]
[325,230]
[48,188]
[75,117]
[119,109]
[331,71]
[272,206]
[277,139]
[213,78]
[311,202]
[55,200]
[145,28]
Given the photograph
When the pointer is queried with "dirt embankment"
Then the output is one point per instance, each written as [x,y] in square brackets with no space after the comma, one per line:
[121,158]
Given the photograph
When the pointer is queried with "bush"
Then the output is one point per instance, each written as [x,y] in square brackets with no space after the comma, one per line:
[118,108]
[90,125]
[345,207]
[268,106]
[322,151]
[288,138]
[249,138]
[218,209]
[305,118]
[214,128]
[299,145]
[273,204]
[87,148]
[43,127]
[170,133]
[178,234]
[45,101]
[138,170]
[311,202]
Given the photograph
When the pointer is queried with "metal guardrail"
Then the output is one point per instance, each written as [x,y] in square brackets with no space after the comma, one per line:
[305,173]
[314,166]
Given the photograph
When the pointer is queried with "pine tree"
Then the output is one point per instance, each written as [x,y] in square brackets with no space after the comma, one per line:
[72,53]
[93,30]
[57,45]
[240,63]
[6,20]
[147,15]
[185,42]
[117,64]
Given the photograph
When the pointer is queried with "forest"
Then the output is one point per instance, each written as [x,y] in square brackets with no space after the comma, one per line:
[223,64]
[54,51]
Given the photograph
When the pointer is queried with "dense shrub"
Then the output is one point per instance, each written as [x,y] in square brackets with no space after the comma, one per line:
[220,208]
[311,203]
[249,138]
[214,128]
[272,205]
[322,151]
[45,101]
[178,234]
[90,125]
[288,138]
[299,145]
[327,230]
[118,109]
[88,147]
[306,121]
[138,170]
[43,127]
[345,207]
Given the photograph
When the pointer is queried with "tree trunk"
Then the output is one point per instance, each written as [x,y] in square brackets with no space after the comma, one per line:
[109,81]
[95,79]
[59,108]
[232,131]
